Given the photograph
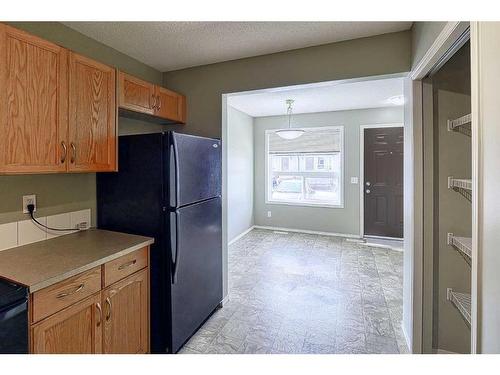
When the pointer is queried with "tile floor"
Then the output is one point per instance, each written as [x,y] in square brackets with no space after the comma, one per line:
[300,293]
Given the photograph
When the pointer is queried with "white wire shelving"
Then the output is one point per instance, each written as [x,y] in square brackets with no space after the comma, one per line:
[462,244]
[461,121]
[461,301]
[460,183]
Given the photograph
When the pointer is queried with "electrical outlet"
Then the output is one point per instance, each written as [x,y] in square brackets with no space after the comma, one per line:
[28,199]
[269,214]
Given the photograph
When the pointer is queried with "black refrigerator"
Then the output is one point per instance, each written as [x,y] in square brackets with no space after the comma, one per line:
[169,187]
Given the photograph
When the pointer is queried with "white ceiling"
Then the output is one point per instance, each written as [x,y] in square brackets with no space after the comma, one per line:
[323,97]
[175,45]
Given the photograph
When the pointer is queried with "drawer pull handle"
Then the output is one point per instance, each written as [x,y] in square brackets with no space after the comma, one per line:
[108,314]
[99,309]
[128,264]
[65,294]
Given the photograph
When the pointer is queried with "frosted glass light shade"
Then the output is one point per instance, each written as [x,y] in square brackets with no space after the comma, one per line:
[290,133]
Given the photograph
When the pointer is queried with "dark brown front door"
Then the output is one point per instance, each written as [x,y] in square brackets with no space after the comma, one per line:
[383,182]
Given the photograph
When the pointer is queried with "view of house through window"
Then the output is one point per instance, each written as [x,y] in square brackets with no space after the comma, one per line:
[306,170]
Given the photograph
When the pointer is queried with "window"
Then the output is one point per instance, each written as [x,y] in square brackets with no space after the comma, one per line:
[306,171]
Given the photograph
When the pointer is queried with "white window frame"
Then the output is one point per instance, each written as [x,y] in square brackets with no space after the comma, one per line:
[268,200]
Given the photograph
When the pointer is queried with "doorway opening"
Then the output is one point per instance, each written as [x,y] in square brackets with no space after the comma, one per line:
[298,276]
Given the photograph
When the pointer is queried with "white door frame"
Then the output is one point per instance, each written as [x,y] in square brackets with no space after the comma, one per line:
[446,40]
[362,169]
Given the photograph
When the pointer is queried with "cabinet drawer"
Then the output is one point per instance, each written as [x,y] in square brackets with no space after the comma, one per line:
[124,266]
[56,297]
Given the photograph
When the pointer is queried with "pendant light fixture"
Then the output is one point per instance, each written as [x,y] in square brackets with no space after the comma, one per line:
[289,133]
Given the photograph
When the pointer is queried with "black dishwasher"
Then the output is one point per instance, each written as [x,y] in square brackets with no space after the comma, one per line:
[13,318]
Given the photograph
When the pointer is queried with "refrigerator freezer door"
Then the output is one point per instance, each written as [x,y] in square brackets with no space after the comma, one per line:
[195,169]
[197,289]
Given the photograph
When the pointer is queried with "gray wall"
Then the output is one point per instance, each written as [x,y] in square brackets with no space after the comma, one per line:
[240,172]
[423,34]
[336,220]
[67,192]
[204,85]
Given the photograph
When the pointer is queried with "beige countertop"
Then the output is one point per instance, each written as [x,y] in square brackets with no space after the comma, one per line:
[44,263]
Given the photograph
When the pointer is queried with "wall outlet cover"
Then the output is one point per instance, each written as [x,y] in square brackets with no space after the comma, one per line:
[28,199]
[354,180]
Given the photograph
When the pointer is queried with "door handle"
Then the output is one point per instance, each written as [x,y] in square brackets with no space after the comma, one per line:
[367,191]
[173,150]
[367,183]
[108,314]
[99,310]
[65,152]
[73,155]
[175,260]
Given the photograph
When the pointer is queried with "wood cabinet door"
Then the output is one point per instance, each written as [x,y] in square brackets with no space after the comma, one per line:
[33,103]
[92,116]
[126,315]
[74,330]
[170,105]
[135,94]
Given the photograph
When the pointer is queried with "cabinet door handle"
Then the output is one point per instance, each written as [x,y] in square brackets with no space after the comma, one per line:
[65,294]
[153,97]
[73,155]
[99,310]
[128,264]
[65,152]
[108,314]
[159,103]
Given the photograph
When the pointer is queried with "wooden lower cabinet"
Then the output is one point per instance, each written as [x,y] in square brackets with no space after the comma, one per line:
[114,320]
[125,309]
[74,330]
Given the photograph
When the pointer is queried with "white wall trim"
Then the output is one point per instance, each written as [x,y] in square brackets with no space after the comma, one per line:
[450,33]
[442,351]
[406,337]
[225,234]
[332,234]
[241,235]
[362,168]
[477,175]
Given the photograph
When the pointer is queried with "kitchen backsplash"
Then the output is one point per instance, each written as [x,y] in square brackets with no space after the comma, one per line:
[23,232]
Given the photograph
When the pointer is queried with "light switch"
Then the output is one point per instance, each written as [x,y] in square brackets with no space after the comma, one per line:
[354,180]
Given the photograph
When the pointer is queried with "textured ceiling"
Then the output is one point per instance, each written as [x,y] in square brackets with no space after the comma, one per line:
[176,45]
[322,97]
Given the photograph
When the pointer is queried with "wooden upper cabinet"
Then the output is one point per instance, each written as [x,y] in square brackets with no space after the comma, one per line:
[135,94]
[74,330]
[170,105]
[33,103]
[146,98]
[92,115]
[126,315]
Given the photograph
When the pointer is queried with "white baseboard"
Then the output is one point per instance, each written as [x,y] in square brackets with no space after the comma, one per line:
[240,235]
[442,351]
[407,338]
[280,229]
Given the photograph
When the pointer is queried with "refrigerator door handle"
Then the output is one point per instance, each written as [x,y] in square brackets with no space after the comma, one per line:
[175,153]
[175,260]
